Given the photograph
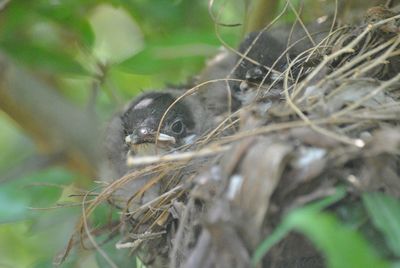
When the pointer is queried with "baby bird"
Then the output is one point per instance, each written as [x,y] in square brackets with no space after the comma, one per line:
[133,132]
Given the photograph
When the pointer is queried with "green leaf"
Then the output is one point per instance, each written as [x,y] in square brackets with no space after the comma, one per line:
[385,214]
[13,205]
[342,246]
[43,57]
[396,265]
[117,36]
[280,232]
[18,195]
[68,16]
[173,52]
[284,228]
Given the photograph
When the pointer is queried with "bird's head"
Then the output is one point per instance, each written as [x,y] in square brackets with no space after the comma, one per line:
[142,119]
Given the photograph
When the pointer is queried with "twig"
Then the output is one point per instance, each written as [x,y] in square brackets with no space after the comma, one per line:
[356,104]
[91,239]
[148,204]
[180,232]
[146,160]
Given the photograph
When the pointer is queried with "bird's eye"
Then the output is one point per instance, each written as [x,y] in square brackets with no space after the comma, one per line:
[178,127]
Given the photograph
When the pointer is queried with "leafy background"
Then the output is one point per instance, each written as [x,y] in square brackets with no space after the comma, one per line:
[129,46]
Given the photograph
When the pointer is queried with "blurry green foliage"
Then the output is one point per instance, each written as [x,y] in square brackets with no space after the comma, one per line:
[168,54]
[14,145]
[141,44]
[284,228]
[384,211]
[53,35]
[28,235]
[342,245]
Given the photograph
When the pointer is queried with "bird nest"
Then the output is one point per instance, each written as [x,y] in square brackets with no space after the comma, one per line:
[330,118]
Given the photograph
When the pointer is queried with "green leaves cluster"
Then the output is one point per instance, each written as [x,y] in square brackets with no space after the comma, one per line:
[342,245]
[52,36]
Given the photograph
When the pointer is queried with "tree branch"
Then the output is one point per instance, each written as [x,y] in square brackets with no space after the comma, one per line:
[53,123]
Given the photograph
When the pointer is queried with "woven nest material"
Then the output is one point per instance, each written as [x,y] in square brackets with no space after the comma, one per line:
[335,122]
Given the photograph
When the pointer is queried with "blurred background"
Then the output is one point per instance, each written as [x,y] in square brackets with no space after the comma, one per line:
[66,67]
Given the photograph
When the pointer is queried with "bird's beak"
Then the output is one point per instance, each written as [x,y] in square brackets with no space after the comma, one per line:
[166,138]
[162,138]
[131,139]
